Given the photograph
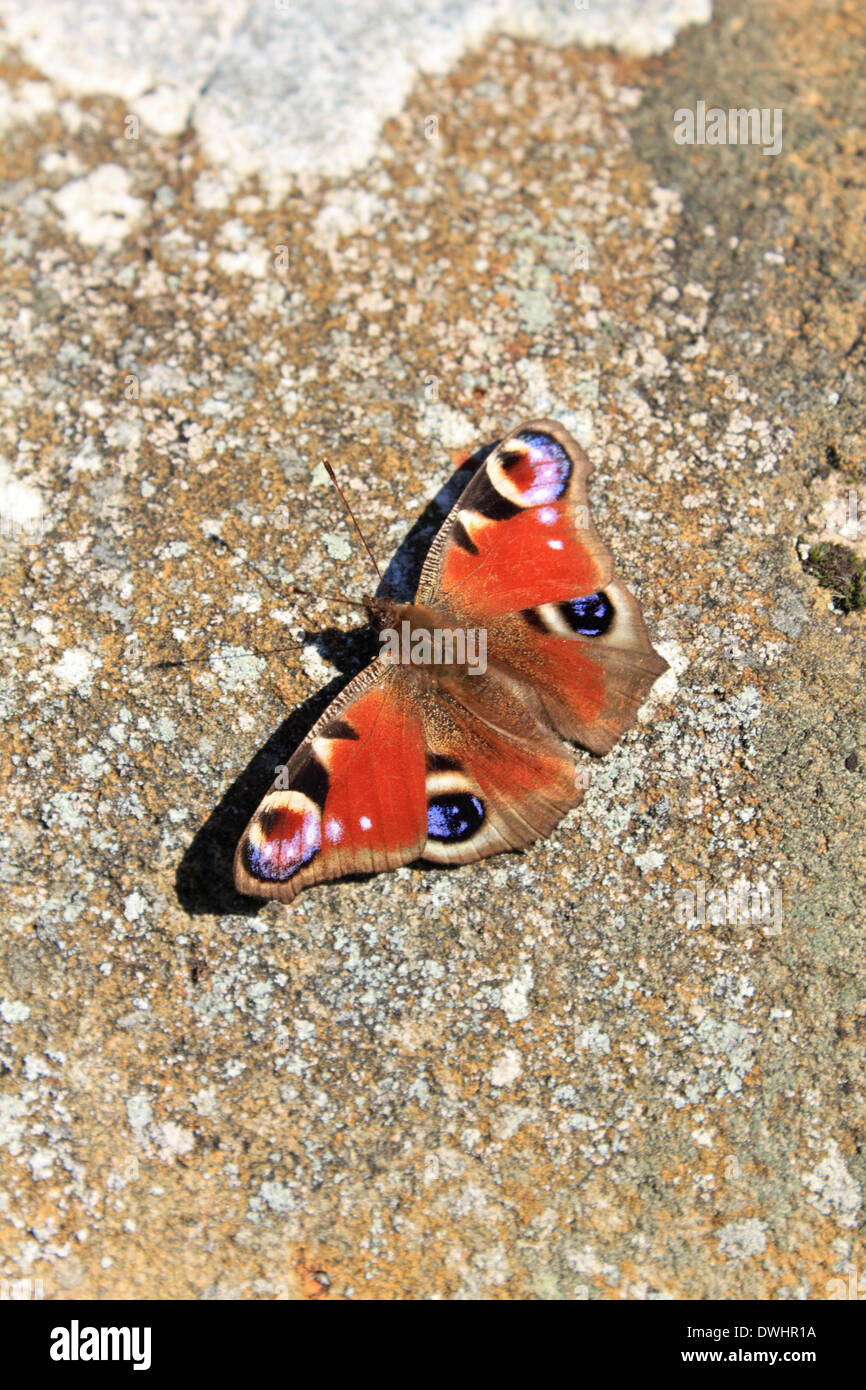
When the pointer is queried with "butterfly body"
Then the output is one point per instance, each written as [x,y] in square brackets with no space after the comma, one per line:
[449,746]
[420,628]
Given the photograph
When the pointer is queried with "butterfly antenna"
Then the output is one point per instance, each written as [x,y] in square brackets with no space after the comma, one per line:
[296,588]
[333,477]
[164,665]
[170,665]
[332,598]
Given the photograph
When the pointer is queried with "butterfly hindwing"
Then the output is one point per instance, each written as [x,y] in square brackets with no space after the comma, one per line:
[495,780]
[586,665]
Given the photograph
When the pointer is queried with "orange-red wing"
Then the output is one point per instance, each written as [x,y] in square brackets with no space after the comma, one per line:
[585,666]
[521,533]
[352,799]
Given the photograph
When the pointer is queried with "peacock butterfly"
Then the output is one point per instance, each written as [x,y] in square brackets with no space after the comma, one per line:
[433,753]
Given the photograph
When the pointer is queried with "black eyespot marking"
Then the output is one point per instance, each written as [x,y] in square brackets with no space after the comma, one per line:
[590,615]
[440,762]
[311,780]
[512,458]
[534,619]
[461,537]
[339,728]
[488,500]
[454,816]
[268,822]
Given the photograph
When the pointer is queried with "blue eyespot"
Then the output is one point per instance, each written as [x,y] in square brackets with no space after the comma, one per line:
[454,816]
[591,615]
[543,471]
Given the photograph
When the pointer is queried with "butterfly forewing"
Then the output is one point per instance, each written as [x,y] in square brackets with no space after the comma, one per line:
[351,800]
[520,534]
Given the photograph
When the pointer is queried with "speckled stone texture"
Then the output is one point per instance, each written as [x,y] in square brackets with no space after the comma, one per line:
[625,1064]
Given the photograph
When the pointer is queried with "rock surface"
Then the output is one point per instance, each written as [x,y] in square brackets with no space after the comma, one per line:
[627,1063]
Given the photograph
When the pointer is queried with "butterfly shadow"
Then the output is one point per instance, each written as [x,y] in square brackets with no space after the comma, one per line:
[204,881]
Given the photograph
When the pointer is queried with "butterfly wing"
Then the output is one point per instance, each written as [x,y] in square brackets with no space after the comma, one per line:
[520,534]
[352,797]
[520,557]
[495,779]
[585,666]
[400,767]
